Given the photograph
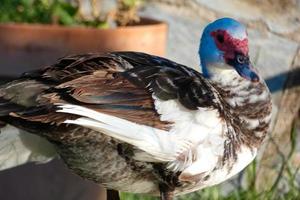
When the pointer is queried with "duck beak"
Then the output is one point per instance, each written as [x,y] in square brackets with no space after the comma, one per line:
[247,71]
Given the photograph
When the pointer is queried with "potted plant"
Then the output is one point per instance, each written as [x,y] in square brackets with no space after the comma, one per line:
[34,33]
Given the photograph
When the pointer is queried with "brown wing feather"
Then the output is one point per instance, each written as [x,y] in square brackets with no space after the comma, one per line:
[112,94]
[92,80]
[120,84]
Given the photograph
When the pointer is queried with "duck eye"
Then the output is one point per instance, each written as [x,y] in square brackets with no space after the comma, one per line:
[242,59]
[220,38]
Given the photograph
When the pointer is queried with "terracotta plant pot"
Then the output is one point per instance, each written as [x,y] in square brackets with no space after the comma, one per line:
[27,46]
[24,47]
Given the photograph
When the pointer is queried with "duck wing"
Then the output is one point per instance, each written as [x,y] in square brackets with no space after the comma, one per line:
[119,94]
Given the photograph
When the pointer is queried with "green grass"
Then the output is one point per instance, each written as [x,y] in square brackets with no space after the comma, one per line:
[285,186]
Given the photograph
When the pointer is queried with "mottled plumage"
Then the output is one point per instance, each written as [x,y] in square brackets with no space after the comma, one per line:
[141,123]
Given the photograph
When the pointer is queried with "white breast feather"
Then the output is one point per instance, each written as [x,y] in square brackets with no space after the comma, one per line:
[256,98]
[244,157]
[202,127]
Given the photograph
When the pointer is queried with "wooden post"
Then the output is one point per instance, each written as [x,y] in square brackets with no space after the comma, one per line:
[112,195]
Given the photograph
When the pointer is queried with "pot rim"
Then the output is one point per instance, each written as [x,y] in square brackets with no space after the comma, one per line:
[145,22]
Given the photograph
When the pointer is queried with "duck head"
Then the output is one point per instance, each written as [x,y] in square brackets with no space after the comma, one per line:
[224,48]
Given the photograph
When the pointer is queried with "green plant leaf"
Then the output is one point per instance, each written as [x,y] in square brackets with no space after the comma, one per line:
[64,13]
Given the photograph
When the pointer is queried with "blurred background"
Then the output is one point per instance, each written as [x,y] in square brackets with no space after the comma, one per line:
[35,33]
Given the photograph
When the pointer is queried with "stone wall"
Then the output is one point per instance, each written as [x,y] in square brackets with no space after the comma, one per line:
[274,37]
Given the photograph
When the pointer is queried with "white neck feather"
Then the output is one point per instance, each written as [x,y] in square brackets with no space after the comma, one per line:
[225,76]
[238,92]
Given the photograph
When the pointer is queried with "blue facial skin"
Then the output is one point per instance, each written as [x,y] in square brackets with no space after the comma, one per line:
[246,71]
[210,54]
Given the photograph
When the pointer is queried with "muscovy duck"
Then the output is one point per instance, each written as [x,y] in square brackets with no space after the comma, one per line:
[140,123]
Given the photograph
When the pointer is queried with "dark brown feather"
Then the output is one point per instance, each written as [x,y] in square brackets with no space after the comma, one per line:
[120,84]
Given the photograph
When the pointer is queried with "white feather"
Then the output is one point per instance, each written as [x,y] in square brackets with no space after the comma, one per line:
[192,133]
[202,127]
[216,176]
[161,144]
